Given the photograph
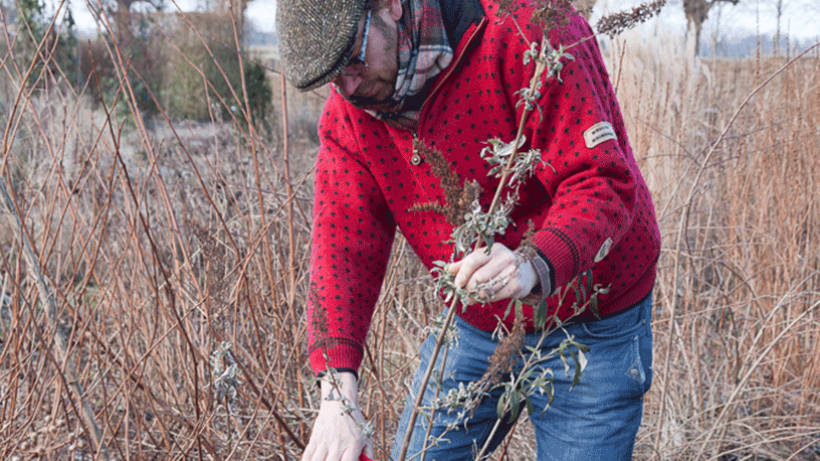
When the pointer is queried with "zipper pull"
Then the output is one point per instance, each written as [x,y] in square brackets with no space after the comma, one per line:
[415,160]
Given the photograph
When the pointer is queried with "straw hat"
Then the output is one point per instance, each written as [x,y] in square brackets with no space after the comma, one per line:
[316,38]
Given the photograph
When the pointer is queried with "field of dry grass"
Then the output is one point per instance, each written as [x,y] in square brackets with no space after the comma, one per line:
[157,287]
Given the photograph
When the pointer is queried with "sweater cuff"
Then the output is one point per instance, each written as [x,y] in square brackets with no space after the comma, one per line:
[564,259]
[355,373]
[543,288]
[342,354]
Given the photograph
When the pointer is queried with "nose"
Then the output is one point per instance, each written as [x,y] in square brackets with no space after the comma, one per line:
[347,84]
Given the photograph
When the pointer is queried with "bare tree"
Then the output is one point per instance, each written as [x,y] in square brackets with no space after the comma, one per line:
[779,10]
[696,13]
[239,8]
[5,14]
[120,11]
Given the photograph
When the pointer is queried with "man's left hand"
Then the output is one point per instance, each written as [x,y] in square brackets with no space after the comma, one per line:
[500,275]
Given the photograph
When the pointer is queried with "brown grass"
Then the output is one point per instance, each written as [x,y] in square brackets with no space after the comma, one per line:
[743,346]
[162,245]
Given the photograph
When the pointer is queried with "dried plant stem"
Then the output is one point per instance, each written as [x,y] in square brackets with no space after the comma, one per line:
[433,411]
[291,271]
[195,352]
[8,133]
[289,189]
[47,298]
[682,229]
[527,364]
[736,391]
[540,66]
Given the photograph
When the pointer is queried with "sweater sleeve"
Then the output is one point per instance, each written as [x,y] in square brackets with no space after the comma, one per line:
[353,231]
[588,168]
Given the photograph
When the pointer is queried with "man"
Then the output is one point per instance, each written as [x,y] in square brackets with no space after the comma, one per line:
[410,77]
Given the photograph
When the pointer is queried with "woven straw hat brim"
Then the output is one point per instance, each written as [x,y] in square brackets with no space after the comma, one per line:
[316,39]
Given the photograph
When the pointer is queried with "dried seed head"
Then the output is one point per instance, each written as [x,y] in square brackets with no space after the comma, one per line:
[527,248]
[552,14]
[459,199]
[616,23]
[508,6]
[506,353]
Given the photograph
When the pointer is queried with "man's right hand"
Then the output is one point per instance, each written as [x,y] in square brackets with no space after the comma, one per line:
[336,435]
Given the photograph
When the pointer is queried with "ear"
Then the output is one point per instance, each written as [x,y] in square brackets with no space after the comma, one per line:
[395,9]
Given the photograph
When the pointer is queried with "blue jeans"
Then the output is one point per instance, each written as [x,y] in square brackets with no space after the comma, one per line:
[597,420]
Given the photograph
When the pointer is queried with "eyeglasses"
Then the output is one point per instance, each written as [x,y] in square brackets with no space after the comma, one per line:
[358,64]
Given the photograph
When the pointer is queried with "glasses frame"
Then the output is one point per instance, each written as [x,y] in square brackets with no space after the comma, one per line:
[357,64]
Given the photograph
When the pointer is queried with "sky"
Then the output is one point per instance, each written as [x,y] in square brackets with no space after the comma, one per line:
[801,18]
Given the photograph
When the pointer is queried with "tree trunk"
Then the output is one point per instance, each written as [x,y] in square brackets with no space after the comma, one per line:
[122,23]
[696,13]
[776,45]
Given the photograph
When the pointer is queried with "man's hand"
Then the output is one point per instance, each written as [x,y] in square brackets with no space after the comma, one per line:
[336,435]
[500,275]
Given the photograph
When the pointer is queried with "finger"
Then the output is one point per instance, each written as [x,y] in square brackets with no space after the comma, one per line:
[508,284]
[352,453]
[309,451]
[453,268]
[369,449]
[316,454]
[502,261]
[333,455]
[486,273]
[470,264]
[354,450]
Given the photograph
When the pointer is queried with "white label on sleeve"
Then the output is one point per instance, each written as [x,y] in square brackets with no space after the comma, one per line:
[598,133]
[604,250]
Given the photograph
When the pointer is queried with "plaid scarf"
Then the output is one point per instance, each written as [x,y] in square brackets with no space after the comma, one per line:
[424,52]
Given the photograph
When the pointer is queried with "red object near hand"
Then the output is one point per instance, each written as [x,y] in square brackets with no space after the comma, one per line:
[362,457]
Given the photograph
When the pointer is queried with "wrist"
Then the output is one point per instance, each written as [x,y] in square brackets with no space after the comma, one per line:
[536,290]
[340,386]
[542,286]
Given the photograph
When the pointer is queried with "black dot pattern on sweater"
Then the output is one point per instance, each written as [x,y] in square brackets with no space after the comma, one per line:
[578,199]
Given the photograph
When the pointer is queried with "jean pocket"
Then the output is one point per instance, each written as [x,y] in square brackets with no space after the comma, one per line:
[622,325]
[638,370]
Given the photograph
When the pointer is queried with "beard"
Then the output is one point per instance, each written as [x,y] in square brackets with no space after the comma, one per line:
[377,103]
[383,100]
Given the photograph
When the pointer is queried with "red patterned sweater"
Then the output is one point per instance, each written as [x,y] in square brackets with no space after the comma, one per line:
[585,199]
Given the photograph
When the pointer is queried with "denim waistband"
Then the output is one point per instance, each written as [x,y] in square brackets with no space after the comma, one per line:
[635,311]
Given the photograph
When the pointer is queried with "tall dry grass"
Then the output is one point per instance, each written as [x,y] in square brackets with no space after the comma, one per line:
[736,328]
[177,258]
